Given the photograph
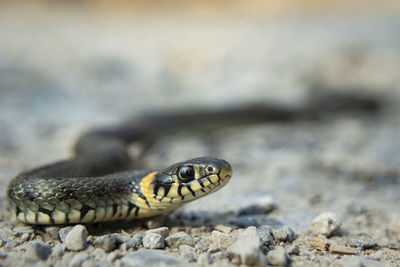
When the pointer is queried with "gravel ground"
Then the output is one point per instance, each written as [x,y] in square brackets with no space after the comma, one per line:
[307,193]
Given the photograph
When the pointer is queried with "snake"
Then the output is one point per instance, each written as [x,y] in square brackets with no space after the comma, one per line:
[101,182]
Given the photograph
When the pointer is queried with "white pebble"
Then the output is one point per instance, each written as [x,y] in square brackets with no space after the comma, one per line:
[76,239]
[326,224]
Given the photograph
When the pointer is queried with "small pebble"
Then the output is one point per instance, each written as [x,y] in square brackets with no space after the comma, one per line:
[202,245]
[278,257]
[11,244]
[163,231]
[248,247]
[126,243]
[363,240]
[78,259]
[25,237]
[98,254]
[113,256]
[283,234]
[76,239]
[246,221]
[3,255]
[106,242]
[222,240]
[57,251]
[38,251]
[326,224]
[378,255]
[153,241]
[179,238]
[218,256]
[204,259]
[294,250]
[63,232]
[23,229]
[213,249]
[187,252]
[53,231]
[265,233]
[139,239]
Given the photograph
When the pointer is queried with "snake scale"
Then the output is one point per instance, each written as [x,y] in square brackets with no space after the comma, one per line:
[96,184]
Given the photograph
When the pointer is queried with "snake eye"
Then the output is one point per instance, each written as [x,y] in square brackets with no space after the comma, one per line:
[186,173]
[210,170]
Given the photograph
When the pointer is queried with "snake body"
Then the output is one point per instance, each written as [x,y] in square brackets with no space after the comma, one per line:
[95,185]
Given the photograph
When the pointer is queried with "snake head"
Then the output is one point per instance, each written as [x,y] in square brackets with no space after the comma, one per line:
[191,179]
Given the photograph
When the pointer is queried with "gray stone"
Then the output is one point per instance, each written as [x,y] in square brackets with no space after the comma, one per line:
[326,224]
[63,232]
[153,241]
[213,249]
[3,255]
[222,240]
[219,256]
[76,239]
[139,239]
[114,256]
[260,206]
[278,257]
[150,258]
[78,259]
[202,245]
[204,259]
[38,251]
[126,242]
[106,242]
[179,238]
[265,234]
[57,251]
[294,250]
[363,240]
[99,254]
[283,234]
[25,237]
[379,255]
[23,230]
[11,244]
[188,253]
[163,231]
[53,231]
[246,221]
[248,247]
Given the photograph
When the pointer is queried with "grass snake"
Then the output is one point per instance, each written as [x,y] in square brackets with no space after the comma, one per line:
[96,184]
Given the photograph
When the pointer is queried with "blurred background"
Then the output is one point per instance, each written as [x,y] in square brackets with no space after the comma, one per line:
[67,66]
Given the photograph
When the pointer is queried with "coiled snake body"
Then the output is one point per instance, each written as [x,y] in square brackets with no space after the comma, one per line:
[90,187]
